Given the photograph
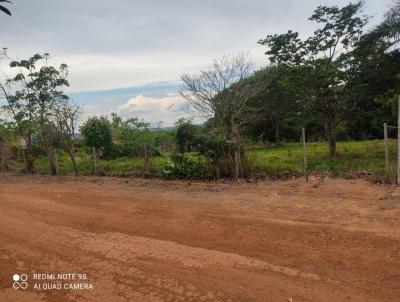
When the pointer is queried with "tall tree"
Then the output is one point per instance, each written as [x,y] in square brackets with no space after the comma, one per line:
[273,103]
[7,131]
[22,112]
[387,33]
[376,65]
[320,68]
[66,117]
[186,135]
[221,93]
[38,93]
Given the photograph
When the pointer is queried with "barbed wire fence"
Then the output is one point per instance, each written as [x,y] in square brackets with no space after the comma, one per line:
[390,134]
[391,173]
[303,140]
[388,170]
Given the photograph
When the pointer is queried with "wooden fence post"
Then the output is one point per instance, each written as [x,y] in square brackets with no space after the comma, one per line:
[303,136]
[3,158]
[385,136]
[56,158]
[94,161]
[146,159]
[398,143]
[25,161]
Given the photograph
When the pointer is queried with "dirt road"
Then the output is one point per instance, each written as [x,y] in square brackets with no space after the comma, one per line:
[149,240]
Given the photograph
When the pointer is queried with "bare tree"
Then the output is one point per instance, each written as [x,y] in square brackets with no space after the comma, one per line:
[66,118]
[221,94]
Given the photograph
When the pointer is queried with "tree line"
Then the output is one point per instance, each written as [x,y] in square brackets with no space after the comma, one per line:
[340,77]
[341,82]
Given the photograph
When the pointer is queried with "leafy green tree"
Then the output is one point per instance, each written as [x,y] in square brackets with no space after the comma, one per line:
[186,135]
[377,59]
[22,112]
[7,135]
[321,65]
[97,134]
[128,133]
[385,35]
[365,122]
[124,129]
[131,136]
[38,92]
[4,9]
[270,106]
[214,148]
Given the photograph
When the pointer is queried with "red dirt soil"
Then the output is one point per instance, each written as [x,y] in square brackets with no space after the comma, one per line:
[154,240]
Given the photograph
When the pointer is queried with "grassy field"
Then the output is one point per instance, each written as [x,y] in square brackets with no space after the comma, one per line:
[353,159]
[118,167]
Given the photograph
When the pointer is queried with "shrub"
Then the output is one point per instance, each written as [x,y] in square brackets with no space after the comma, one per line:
[97,133]
[186,135]
[182,166]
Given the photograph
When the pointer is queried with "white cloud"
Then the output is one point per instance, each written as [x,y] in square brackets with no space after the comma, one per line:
[167,108]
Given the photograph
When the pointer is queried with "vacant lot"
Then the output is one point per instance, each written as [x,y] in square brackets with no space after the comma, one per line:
[150,240]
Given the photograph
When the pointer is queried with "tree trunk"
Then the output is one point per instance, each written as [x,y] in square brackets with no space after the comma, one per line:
[49,152]
[330,129]
[261,138]
[237,158]
[52,163]
[94,157]
[73,161]
[146,160]
[4,158]
[52,160]
[277,134]
[217,168]
[244,172]
[237,162]
[29,159]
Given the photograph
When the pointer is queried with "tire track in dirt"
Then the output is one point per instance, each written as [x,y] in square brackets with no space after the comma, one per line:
[127,248]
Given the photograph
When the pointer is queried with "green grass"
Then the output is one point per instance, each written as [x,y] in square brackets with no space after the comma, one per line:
[353,158]
[119,167]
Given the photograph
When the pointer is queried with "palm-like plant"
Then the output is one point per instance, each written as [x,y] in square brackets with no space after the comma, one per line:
[4,9]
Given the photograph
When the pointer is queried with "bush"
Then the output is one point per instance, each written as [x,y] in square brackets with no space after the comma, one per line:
[97,133]
[216,150]
[186,135]
[184,167]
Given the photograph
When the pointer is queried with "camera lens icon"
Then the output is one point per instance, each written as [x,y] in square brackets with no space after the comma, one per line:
[20,281]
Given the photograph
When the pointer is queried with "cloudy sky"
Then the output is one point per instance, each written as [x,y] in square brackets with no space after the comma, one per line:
[127,56]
